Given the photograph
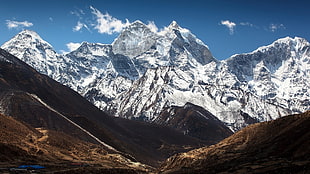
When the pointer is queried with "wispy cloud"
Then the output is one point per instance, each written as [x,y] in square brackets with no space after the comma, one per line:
[18,24]
[230,25]
[78,12]
[246,24]
[79,26]
[71,47]
[51,19]
[275,27]
[151,25]
[105,23]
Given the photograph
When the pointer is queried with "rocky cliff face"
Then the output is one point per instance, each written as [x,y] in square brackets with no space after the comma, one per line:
[277,71]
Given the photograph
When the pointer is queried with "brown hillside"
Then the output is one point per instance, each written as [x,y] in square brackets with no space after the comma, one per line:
[21,144]
[279,146]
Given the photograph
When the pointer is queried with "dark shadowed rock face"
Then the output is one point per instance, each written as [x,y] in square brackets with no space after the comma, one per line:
[194,121]
[279,146]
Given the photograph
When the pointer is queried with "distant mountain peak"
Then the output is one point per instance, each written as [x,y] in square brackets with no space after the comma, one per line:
[174,25]
[296,42]
[30,32]
[135,26]
[137,22]
[29,36]
[290,39]
[27,39]
[89,44]
[31,48]
[134,39]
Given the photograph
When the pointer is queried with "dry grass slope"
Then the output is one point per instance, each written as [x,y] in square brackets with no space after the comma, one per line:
[278,146]
[22,144]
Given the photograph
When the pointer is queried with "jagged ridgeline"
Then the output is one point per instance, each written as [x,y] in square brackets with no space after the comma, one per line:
[144,73]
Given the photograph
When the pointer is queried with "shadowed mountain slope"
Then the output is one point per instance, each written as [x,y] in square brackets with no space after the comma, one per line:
[36,99]
[58,152]
[279,146]
[194,121]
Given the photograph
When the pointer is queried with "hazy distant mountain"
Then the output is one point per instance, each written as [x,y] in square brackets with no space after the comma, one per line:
[143,72]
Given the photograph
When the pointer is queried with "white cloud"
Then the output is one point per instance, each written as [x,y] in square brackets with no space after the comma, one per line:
[230,25]
[151,25]
[274,27]
[248,24]
[105,23]
[63,52]
[51,19]
[79,26]
[73,46]
[78,12]
[17,24]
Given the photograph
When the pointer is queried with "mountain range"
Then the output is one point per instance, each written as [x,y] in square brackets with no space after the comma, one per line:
[142,73]
[39,102]
[150,95]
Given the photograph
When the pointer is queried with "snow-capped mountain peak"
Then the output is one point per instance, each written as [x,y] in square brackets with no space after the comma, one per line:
[134,40]
[174,25]
[274,56]
[32,49]
[30,36]
[289,40]
[94,49]
[172,28]
[276,73]
[27,39]
[144,71]
[135,24]
[285,44]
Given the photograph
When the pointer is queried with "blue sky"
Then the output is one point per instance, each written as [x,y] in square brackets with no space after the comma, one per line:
[227,26]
